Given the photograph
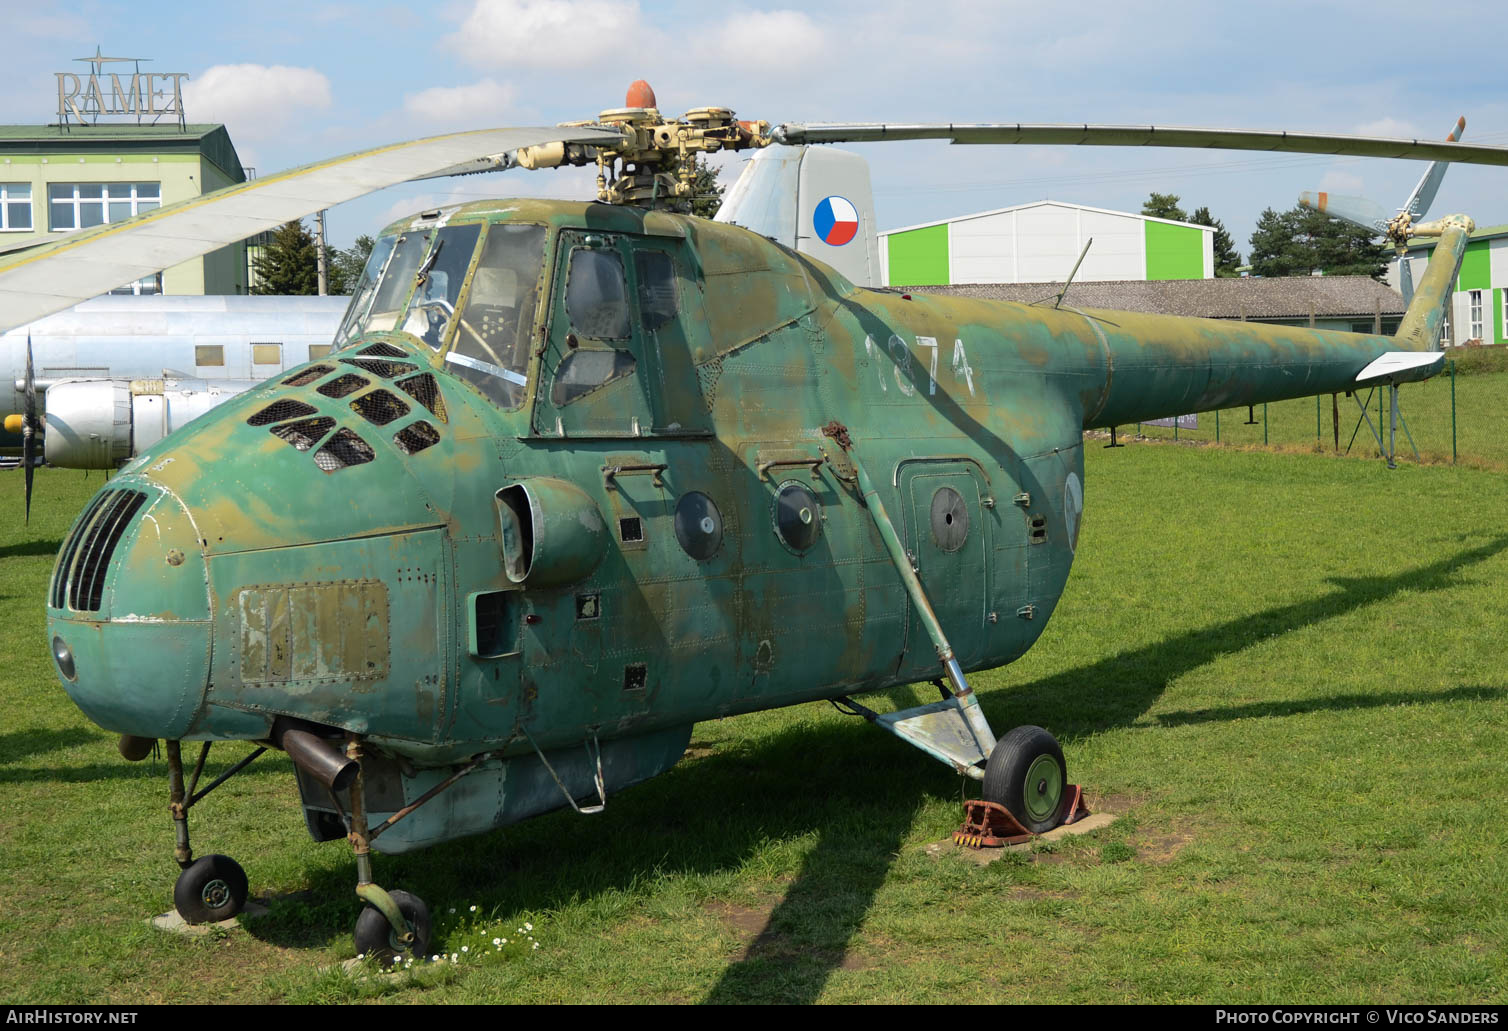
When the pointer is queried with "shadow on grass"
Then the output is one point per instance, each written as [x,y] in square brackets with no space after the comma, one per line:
[859,799]
[1335,703]
[19,744]
[31,548]
[1116,691]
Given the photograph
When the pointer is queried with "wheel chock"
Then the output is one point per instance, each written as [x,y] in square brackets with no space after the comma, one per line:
[991,825]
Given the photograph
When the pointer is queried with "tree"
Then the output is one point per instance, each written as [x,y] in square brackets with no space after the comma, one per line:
[345,266]
[1227,258]
[1300,242]
[1164,205]
[708,196]
[287,264]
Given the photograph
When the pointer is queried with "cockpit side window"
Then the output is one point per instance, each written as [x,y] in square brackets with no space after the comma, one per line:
[597,295]
[438,286]
[491,348]
[397,279]
[361,298]
[655,271]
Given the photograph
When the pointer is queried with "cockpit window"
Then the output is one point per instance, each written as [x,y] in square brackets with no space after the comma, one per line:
[491,348]
[597,295]
[361,297]
[438,286]
[395,281]
[657,294]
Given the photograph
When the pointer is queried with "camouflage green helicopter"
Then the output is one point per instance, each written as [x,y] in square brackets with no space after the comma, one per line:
[579,475]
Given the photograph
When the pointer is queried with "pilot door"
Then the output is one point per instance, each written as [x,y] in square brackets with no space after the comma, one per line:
[617,362]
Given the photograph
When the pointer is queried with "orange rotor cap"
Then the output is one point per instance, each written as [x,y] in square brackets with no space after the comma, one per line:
[640,95]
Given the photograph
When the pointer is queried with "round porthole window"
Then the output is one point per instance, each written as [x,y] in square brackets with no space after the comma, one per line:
[950,519]
[698,525]
[798,516]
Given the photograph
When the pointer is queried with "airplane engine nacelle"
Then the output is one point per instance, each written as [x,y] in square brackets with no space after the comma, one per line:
[88,424]
[98,424]
[552,533]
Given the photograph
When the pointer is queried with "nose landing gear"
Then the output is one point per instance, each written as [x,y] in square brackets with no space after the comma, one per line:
[213,887]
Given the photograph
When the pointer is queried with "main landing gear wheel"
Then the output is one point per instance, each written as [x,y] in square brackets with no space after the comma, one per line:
[376,939]
[211,889]
[1027,775]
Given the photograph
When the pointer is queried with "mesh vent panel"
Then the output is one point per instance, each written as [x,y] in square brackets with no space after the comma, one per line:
[86,580]
[384,351]
[380,407]
[426,391]
[345,448]
[387,370]
[65,563]
[279,411]
[305,433]
[415,438]
[308,376]
[342,385]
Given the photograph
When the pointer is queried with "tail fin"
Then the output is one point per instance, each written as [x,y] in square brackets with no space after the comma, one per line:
[1420,329]
[815,200]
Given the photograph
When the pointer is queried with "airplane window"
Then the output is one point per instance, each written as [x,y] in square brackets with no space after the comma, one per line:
[657,293]
[438,285]
[209,354]
[491,349]
[597,295]
[585,371]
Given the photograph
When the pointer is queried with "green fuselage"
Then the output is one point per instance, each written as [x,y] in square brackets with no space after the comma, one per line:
[697,546]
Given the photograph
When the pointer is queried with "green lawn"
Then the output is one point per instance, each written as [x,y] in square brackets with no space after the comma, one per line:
[1284,672]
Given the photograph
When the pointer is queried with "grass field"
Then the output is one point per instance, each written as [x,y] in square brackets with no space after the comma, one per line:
[1285,673]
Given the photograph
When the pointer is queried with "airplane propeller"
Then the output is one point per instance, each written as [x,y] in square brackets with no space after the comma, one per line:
[29,426]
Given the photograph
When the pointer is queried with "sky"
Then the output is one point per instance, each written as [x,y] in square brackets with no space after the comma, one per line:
[298,82]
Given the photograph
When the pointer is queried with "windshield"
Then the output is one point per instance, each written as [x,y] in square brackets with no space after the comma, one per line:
[491,349]
[361,296]
[438,285]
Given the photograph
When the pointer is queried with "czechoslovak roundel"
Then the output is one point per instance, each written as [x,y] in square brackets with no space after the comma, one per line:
[836,221]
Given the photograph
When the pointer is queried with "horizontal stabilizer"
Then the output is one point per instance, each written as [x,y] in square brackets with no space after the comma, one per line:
[1401,367]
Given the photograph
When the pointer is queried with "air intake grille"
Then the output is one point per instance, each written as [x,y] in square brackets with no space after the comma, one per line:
[280,411]
[426,391]
[345,448]
[80,578]
[387,370]
[416,437]
[304,433]
[342,385]
[308,376]
[380,407]
[384,351]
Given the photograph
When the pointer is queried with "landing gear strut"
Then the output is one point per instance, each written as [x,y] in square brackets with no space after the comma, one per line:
[392,925]
[213,887]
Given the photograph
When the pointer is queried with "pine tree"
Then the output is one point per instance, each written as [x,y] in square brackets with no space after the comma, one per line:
[1227,258]
[1164,205]
[708,196]
[288,263]
[1300,242]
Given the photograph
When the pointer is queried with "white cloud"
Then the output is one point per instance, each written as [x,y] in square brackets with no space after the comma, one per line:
[770,39]
[478,106]
[1343,183]
[548,33]
[255,101]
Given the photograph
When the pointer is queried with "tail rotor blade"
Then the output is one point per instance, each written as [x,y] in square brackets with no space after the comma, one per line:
[1358,210]
[1429,183]
[1406,279]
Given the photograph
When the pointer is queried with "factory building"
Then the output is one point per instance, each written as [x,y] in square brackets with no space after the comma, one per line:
[1479,309]
[55,179]
[1039,242]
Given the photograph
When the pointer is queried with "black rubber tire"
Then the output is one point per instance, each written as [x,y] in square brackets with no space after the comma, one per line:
[375,938]
[1008,778]
[213,888]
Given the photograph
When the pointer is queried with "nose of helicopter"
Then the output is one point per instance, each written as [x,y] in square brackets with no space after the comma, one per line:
[128,614]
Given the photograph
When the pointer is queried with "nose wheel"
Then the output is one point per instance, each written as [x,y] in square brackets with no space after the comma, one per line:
[211,889]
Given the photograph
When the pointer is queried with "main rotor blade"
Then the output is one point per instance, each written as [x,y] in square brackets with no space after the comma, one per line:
[1145,136]
[85,264]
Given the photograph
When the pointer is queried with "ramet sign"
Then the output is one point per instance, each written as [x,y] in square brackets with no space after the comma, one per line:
[142,95]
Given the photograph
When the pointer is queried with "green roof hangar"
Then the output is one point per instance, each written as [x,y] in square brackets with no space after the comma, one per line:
[1039,242]
[1478,312]
[119,146]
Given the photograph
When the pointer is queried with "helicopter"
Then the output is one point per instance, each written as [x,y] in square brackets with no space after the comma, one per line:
[577,475]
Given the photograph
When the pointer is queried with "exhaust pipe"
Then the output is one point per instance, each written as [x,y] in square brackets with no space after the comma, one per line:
[314,755]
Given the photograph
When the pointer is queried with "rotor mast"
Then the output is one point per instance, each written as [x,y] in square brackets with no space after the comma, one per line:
[655,165]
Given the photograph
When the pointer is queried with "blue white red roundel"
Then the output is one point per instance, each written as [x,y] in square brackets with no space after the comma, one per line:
[836,221]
